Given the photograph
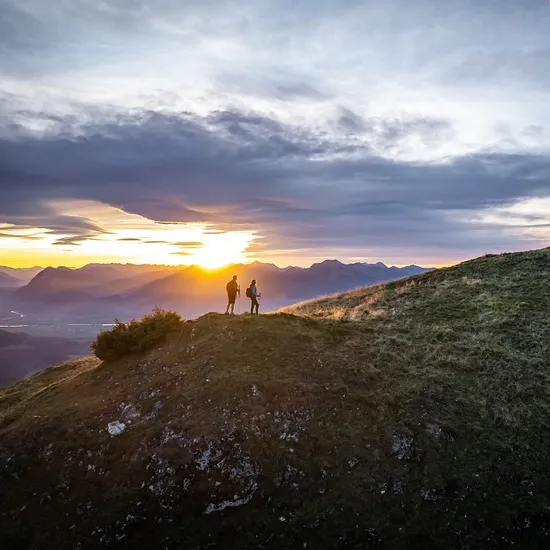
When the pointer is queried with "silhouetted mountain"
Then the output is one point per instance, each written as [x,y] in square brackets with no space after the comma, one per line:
[7,281]
[94,280]
[24,274]
[94,290]
[126,290]
[194,291]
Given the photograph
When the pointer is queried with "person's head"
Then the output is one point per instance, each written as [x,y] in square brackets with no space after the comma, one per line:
[253,283]
[234,277]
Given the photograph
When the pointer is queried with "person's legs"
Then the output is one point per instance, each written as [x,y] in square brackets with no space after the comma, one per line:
[255,305]
[230,303]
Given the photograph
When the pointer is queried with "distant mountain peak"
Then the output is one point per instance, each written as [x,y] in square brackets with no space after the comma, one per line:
[329,263]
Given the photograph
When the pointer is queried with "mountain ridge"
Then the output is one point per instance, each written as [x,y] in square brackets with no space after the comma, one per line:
[191,290]
[23,274]
[9,281]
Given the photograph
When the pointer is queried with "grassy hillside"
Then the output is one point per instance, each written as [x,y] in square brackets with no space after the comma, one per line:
[410,415]
[478,331]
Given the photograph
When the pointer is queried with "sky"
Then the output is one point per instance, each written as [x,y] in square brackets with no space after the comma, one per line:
[219,131]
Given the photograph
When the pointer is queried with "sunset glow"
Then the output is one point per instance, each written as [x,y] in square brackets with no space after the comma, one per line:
[106,234]
[283,132]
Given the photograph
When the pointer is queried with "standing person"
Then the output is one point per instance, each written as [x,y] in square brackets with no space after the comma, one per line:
[233,289]
[253,294]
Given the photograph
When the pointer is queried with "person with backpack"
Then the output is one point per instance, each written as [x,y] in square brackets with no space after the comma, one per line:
[233,289]
[253,294]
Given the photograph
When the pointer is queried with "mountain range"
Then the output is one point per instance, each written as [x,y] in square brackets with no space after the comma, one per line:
[11,276]
[105,291]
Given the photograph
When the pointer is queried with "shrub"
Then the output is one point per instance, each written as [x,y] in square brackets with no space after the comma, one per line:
[135,336]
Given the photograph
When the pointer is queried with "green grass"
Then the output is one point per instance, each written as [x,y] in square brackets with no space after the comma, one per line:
[412,414]
[477,333]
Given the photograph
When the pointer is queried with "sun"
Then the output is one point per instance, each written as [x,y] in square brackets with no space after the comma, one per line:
[219,250]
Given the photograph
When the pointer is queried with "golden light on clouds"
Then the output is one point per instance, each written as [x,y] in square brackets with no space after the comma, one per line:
[96,232]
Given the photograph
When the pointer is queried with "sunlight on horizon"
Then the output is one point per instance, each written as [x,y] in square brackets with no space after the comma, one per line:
[104,234]
[74,233]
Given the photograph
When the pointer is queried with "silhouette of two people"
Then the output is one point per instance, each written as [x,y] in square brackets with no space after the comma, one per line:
[233,290]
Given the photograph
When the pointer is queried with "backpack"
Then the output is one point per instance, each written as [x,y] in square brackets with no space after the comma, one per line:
[249,293]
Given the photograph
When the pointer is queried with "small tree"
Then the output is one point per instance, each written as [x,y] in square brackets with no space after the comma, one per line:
[136,336]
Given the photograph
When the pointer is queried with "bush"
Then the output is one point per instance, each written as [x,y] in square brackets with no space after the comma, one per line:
[135,336]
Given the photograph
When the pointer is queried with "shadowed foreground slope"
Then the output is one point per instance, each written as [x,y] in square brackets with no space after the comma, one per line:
[422,422]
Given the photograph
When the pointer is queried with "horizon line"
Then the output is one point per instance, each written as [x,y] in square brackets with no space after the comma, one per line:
[221,268]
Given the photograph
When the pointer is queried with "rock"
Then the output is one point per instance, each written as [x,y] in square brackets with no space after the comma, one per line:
[429,495]
[402,445]
[116,428]
[129,411]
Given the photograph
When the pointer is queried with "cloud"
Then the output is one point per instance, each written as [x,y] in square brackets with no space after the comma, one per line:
[73,240]
[280,85]
[394,124]
[297,189]
[46,221]
[350,121]
[189,244]
[4,235]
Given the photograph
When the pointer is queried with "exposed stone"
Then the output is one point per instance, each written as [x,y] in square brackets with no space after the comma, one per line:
[116,428]
[402,444]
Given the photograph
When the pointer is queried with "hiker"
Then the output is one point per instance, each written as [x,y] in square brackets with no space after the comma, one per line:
[253,294]
[233,289]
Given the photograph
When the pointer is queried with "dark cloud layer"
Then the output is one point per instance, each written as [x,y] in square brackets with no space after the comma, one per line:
[299,189]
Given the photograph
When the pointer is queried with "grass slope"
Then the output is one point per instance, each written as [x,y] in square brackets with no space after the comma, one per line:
[478,332]
[421,421]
